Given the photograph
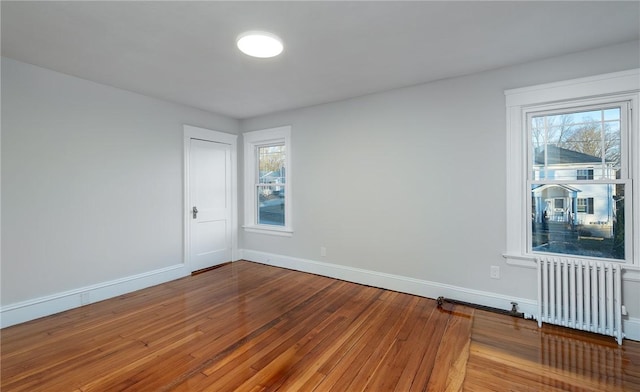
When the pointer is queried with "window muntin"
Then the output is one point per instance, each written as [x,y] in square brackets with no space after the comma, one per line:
[577,176]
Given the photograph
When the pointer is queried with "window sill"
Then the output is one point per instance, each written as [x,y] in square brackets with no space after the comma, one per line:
[520,260]
[281,232]
[631,272]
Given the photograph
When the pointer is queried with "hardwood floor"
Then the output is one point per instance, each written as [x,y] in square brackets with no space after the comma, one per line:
[509,354]
[251,327]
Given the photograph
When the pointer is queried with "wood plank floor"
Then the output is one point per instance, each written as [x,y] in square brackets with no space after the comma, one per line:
[251,327]
[510,354]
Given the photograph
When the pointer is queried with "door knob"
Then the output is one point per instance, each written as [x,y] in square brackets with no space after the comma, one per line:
[195,212]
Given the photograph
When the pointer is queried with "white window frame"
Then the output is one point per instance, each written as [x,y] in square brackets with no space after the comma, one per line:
[612,87]
[253,140]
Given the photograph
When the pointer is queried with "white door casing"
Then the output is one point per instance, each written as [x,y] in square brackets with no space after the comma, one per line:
[210,187]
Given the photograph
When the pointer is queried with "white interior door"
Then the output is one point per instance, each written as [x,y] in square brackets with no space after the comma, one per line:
[210,203]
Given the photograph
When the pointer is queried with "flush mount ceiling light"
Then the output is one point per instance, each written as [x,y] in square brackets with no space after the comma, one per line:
[259,44]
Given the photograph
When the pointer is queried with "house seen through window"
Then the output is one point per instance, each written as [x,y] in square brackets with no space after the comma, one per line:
[271,184]
[577,172]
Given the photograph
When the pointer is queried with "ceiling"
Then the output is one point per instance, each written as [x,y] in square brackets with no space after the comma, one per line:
[185,51]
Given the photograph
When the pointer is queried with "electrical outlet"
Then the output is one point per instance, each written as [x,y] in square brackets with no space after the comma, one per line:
[624,310]
[323,251]
[494,272]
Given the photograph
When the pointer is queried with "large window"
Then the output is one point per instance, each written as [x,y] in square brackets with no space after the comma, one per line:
[573,170]
[577,175]
[268,181]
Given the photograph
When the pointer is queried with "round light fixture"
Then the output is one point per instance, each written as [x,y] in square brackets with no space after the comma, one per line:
[259,44]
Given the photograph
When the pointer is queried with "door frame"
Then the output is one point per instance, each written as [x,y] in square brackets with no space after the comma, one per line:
[193,132]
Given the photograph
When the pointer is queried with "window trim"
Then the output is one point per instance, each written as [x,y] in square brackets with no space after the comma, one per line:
[617,86]
[252,140]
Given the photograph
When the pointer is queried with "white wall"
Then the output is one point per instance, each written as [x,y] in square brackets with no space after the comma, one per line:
[91,182]
[411,182]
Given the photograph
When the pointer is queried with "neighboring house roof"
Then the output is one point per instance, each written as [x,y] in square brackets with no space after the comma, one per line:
[540,188]
[558,155]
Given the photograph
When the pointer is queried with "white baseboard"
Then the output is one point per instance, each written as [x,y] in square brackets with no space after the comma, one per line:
[631,328]
[51,304]
[424,288]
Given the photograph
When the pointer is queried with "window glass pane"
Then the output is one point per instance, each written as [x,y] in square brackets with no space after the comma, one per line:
[271,167]
[271,204]
[584,144]
[557,135]
[588,117]
[559,120]
[612,144]
[538,140]
[564,143]
[579,219]
[612,114]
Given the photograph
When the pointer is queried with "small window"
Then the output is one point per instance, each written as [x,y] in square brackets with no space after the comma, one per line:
[585,206]
[268,181]
[271,184]
[584,174]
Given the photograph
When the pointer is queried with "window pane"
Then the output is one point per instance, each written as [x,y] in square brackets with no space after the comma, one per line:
[564,143]
[579,219]
[612,114]
[271,168]
[559,119]
[271,204]
[590,116]
[587,140]
[612,144]
[538,140]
